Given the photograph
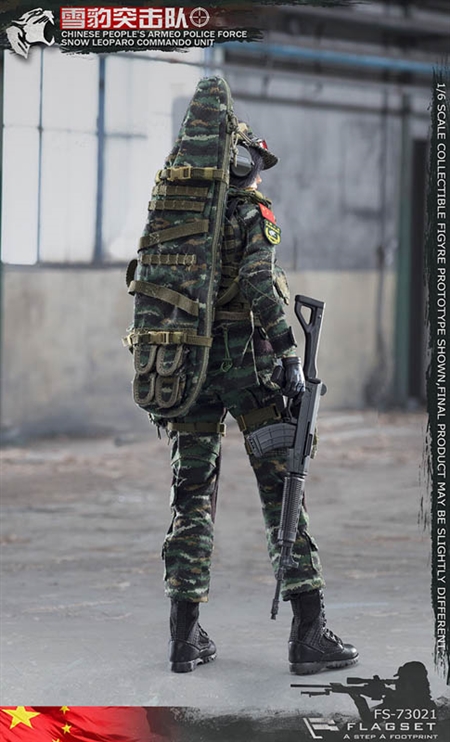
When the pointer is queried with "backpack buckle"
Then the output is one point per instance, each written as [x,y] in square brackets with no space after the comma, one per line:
[180,173]
[169,337]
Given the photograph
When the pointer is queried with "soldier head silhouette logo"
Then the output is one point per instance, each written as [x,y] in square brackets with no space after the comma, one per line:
[412,686]
[33,27]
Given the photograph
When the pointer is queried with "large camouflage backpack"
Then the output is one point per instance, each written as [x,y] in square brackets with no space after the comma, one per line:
[176,276]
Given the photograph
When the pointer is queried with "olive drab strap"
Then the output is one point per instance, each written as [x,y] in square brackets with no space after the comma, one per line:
[176,276]
[173,233]
[190,306]
[163,337]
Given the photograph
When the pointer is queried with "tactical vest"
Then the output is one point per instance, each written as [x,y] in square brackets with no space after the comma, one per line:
[176,276]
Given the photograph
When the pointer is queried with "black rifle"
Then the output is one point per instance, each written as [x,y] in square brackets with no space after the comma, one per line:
[297,436]
[374,688]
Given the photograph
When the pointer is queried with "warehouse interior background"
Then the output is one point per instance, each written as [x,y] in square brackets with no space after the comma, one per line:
[342,97]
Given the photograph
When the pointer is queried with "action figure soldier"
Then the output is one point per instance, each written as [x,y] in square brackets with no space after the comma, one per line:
[250,338]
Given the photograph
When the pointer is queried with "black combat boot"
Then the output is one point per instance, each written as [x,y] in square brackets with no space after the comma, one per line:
[313,647]
[189,644]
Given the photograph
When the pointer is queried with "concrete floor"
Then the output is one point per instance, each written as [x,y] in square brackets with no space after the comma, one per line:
[84,615]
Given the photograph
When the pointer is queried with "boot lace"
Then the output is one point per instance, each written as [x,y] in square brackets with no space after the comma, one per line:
[327,633]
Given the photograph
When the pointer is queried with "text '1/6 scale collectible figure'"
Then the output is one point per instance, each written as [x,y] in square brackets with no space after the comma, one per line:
[209,332]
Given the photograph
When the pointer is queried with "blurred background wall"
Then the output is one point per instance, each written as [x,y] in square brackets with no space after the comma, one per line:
[341,95]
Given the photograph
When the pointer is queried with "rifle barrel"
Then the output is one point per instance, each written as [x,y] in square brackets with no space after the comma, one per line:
[309,685]
[276,600]
[360,681]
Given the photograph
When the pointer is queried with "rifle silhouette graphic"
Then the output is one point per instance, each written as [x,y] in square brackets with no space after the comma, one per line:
[374,688]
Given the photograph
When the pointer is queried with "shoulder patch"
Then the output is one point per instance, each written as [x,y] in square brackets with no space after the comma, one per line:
[272,232]
[267,213]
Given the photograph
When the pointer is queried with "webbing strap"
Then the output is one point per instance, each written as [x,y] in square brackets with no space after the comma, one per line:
[175,205]
[229,293]
[163,337]
[198,428]
[192,173]
[179,190]
[222,314]
[258,416]
[166,259]
[236,315]
[165,294]
[173,233]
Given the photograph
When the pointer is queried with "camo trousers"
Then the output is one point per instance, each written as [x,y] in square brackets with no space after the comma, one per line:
[238,388]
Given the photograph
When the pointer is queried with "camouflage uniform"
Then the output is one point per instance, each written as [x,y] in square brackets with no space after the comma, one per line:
[241,362]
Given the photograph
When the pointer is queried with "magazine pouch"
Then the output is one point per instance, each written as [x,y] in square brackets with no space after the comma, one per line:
[175,278]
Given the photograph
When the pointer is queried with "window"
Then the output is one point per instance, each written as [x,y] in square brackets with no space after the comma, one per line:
[83,138]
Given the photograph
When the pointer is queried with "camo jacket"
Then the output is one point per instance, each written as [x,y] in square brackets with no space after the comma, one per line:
[249,259]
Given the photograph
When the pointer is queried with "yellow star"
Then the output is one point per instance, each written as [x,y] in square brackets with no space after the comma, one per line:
[56,740]
[64,709]
[20,716]
[66,728]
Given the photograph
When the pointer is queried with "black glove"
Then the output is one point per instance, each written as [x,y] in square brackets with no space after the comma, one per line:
[290,377]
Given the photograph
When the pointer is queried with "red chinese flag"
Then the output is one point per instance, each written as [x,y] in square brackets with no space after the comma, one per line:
[75,724]
[267,213]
